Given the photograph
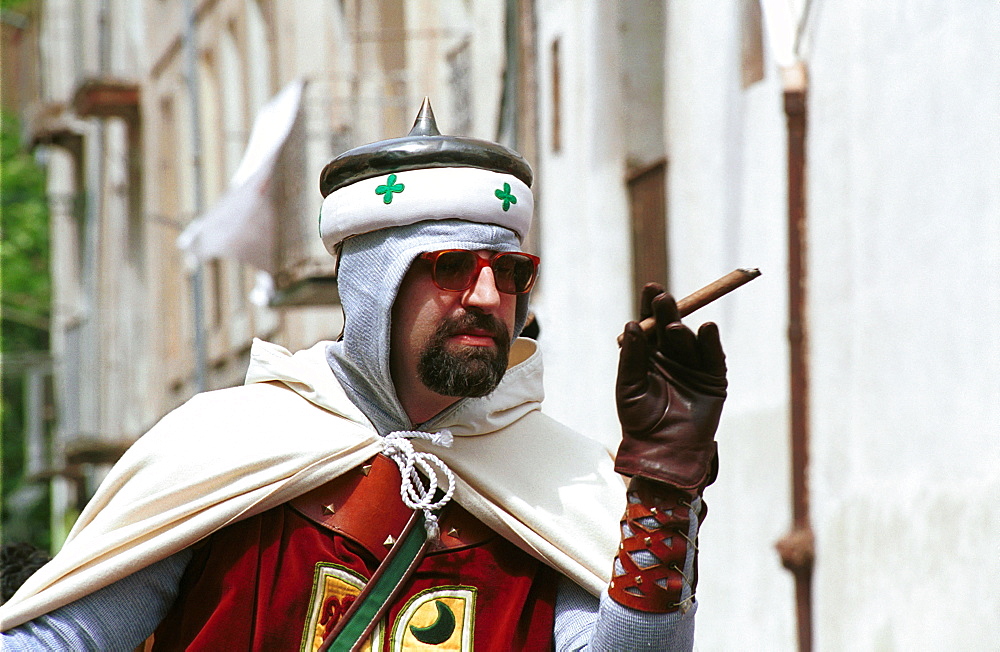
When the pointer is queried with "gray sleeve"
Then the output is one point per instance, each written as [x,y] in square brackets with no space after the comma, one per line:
[585,623]
[119,616]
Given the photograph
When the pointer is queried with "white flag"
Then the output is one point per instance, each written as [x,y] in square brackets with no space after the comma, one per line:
[241,224]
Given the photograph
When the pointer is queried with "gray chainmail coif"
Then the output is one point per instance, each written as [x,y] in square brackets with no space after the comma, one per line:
[372,266]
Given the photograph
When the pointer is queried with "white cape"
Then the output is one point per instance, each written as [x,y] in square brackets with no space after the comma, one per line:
[230,454]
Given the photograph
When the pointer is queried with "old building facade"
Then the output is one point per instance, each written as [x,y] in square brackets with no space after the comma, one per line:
[848,150]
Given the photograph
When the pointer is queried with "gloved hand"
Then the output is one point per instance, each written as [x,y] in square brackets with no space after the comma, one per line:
[670,390]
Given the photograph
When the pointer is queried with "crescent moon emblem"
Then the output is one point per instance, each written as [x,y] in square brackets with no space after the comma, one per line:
[440,630]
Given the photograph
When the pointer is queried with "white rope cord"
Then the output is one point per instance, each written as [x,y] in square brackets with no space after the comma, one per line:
[415,494]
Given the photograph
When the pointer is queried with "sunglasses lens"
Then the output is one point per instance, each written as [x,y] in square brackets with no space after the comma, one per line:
[457,269]
[514,273]
[453,270]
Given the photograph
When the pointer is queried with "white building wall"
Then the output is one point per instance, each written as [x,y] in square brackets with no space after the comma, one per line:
[726,209]
[582,299]
[905,148]
[904,254]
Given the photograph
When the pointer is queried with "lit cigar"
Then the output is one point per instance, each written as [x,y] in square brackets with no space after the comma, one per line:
[706,295]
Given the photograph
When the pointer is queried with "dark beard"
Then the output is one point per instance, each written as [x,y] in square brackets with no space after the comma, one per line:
[473,371]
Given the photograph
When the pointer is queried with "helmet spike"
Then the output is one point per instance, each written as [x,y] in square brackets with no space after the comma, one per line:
[423,147]
[425,124]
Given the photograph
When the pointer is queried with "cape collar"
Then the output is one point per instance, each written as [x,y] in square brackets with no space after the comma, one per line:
[308,374]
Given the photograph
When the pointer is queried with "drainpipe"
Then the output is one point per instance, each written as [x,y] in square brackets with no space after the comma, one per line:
[797,547]
[507,127]
[197,277]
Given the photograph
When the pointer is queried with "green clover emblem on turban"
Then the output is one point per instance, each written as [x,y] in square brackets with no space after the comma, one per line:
[389,188]
[506,196]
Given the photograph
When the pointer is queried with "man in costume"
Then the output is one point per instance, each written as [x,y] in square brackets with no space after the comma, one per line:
[401,488]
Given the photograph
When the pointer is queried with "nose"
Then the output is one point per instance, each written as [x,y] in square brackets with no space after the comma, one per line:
[483,293]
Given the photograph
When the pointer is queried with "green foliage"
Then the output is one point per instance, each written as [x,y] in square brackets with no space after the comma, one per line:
[24,238]
[25,293]
[15,5]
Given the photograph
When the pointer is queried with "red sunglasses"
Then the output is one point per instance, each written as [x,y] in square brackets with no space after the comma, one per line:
[454,270]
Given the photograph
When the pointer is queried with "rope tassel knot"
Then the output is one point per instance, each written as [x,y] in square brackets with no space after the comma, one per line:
[417,490]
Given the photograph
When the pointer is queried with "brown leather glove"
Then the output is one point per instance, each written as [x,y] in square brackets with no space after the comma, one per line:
[670,390]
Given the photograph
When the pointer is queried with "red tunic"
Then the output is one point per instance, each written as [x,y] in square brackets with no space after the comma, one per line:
[279,580]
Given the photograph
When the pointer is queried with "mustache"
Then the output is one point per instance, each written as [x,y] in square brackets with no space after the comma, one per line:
[476,321]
